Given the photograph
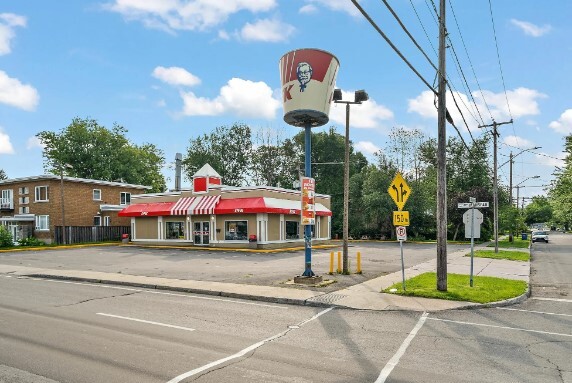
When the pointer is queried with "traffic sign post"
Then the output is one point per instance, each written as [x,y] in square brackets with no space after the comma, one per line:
[471,219]
[399,191]
[401,232]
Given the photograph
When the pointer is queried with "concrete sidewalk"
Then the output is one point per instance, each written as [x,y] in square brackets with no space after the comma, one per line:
[364,296]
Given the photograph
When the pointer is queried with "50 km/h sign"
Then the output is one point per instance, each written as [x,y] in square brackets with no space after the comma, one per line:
[399,191]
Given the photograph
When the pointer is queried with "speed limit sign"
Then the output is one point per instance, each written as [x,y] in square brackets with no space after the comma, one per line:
[401,232]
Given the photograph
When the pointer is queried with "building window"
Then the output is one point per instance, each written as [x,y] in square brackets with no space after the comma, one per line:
[23,190]
[42,222]
[107,221]
[175,230]
[24,200]
[97,194]
[42,194]
[6,200]
[97,220]
[292,230]
[236,230]
[24,210]
[125,198]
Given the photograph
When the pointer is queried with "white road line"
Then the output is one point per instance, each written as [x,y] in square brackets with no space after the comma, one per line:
[501,327]
[552,299]
[242,352]
[148,322]
[189,295]
[534,312]
[395,359]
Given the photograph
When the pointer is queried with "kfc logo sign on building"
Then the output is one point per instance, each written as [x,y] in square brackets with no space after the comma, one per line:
[308,77]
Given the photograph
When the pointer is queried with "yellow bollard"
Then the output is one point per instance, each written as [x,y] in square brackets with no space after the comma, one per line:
[331,262]
[358,263]
[339,262]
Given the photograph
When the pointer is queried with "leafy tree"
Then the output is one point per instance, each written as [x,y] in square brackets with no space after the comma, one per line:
[3,175]
[560,193]
[95,152]
[274,160]
[227,149]
[6,239]
[539,210]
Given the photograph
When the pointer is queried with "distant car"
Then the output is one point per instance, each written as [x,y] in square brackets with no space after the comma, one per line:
[540,236]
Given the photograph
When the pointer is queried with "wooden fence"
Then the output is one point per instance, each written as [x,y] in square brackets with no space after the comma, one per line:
[86,234]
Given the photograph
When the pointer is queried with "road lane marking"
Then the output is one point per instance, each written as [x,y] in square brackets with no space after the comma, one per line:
[188,295]
[244,351]
[534,312]
[384,374]
[146,321]
[553,299]
[501,327]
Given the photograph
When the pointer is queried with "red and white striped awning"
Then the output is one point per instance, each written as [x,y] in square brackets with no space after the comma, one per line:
[195,205]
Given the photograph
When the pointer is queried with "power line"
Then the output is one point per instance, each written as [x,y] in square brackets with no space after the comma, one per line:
[373,24]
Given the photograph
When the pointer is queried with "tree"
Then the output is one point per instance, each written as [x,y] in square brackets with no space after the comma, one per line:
[3,175]
[227,149]
[95,152]
[560,193]
[538,211]
[274,160]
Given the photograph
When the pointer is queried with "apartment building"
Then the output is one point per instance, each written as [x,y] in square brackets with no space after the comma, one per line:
[34,206]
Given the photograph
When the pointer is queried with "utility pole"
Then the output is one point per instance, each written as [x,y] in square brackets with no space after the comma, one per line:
[495,180]
[510,192]
[441,159]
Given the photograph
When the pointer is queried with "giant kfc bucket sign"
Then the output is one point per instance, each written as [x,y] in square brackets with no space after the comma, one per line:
[308,77]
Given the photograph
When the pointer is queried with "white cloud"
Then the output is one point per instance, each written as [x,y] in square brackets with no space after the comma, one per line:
[531,29]
[308,9]
[367,115]
[176,76]
[34,142]
[518,142]
[267,30]
[240,97]
[223,35]
[174,15]
[5,144]
[564,123]
[14,93]
[338,5]
[367,147]
[8,21]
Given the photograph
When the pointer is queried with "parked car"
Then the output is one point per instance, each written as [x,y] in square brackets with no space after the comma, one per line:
[540,236]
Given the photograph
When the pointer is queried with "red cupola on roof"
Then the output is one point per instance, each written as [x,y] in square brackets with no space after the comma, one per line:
[205,177]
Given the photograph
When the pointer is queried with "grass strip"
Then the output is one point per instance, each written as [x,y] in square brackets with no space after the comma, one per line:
[511,255]
[484,290]
[517,243]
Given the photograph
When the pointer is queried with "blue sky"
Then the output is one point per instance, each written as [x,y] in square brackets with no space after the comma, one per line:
[169,70]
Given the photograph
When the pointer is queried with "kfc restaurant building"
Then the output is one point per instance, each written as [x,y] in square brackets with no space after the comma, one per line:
[212,214]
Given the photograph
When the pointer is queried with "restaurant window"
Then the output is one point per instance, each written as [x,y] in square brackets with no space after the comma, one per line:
[236,230]
[41,194]
[292,230]
[175,230]
[125,198]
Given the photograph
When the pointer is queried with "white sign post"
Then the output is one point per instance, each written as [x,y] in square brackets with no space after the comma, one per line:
[401,232]
[472,219]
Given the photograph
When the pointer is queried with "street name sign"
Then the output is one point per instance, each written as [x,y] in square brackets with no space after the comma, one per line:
[467,205]
[401,218]
[399,191]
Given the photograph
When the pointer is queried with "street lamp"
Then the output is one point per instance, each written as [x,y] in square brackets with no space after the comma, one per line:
[61,166]
[359,97]
[518,187]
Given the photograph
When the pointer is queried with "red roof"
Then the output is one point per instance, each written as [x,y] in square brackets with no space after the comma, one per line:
[263,205]
[147,209]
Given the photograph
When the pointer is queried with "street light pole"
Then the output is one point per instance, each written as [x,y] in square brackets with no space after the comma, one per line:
[359,97]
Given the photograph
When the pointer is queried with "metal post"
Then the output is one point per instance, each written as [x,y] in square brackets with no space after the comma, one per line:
[308,228]
[346,191]
[472,238]
[510,237]
[441,160]
[402,265]
[495,190]
[63,205]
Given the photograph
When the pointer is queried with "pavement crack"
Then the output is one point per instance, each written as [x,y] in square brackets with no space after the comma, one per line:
[546,358]
[99,298]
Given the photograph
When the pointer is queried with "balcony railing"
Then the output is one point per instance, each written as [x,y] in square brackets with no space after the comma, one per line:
[6,204]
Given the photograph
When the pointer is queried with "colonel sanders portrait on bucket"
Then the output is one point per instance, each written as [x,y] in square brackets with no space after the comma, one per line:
[304,74]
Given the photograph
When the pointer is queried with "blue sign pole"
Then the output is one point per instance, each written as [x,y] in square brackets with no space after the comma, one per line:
[308,228]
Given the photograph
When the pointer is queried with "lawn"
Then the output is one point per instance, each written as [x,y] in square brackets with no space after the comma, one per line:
[484,290]
[517,243]
[511,255]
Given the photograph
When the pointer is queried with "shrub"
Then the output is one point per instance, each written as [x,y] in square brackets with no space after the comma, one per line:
[6,239]
[31,241]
